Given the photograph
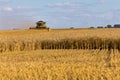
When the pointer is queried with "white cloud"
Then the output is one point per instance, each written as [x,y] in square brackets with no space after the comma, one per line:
[67,4]
[103,1]
[87,14]
[8,9]
[106,15]
[6,0]
[3,2]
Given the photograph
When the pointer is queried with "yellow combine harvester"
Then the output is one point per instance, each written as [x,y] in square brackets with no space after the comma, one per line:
[40,25]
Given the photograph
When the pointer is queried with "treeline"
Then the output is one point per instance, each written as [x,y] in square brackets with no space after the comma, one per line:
[108,26]
[81,43]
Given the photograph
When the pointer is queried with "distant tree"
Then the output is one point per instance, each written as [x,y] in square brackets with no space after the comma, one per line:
[109,26]
[91,27]
[100,27]
[117,26]
[71,27]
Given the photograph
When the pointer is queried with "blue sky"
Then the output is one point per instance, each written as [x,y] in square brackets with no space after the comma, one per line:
[58,13]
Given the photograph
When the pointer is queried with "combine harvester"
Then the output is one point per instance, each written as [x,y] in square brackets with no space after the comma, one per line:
[40,25]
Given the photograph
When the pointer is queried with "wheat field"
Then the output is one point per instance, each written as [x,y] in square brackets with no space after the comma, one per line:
[23,40]
[66,54]
[60,65]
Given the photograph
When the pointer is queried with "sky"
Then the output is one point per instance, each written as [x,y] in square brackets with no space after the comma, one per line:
[20,14]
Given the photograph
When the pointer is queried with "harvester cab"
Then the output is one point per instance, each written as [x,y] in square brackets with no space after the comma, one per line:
[41,25]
